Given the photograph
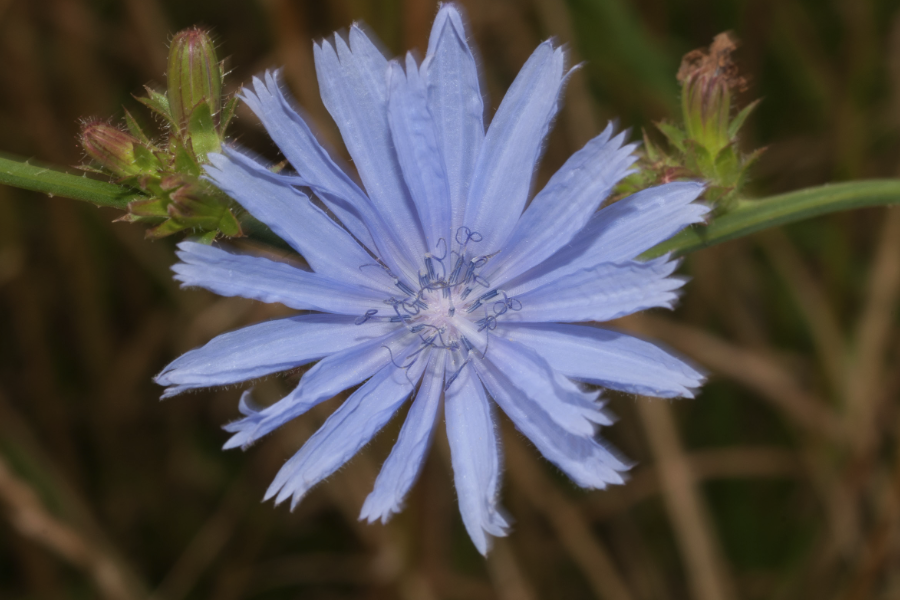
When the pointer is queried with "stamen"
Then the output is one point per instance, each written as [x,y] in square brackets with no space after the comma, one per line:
[369,314]
[404,288]
[455,375]
[437,245]
[454,275]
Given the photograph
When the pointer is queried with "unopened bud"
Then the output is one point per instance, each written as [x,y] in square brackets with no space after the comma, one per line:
[708,78]
[194,75]
[112,148]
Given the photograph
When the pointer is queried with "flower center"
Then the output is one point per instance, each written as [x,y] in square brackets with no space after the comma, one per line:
[454,307]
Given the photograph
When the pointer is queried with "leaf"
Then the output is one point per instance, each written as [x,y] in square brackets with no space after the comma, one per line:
[227,114]
[184,161]
[229,225]
[158,103]
[674,134]
[53,182]
[649,147]
[151,207]
[146,159]
[728,167]
[207,238]
[202,132]
[738,121]
[135,129]
[164,229]
[750,216]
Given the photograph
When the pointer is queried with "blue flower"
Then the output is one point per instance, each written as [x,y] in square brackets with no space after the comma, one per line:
[437,281]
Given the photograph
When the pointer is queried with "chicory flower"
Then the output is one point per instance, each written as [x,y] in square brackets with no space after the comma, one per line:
[436,281]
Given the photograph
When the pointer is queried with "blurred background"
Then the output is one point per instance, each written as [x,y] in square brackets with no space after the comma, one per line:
[781,480]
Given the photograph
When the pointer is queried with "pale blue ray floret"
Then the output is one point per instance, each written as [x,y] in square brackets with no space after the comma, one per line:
[434,280]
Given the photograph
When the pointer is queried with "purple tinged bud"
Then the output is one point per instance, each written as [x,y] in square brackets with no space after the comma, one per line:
[112,148]
[709,77]
[194,75]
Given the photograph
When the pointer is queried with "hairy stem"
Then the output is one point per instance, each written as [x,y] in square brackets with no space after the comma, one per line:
[750,216]
[48,180]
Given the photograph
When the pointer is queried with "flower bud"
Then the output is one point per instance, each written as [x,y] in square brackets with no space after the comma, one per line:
[194,75]
[708,78]
[112,148]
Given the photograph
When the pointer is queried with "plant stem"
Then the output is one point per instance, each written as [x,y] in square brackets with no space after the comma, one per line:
[57,183]
[750,216]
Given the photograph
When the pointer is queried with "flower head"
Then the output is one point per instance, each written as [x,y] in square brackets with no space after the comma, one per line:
[437,282]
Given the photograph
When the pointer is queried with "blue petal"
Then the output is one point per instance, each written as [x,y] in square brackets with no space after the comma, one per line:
[475,456]
[319,172]
[402,467]
[415,140]
[623,230]
[455,103]
[574,410]
[354,89]
[582,458]
[266,348]
[328,377]
[347,430]
[633,225]
[513,144]
[290,132]
[565,205]
[608,358]
[262,279]
[325,245]
[607,291]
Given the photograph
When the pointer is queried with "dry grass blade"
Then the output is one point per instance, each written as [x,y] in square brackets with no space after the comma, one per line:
[347,490]
[882,540]
[756,371]
[204,548]
[689,517]
[573,529]
[506,573]
[580,122]
[294,47]
[874,333]
[811,301]
[29,517]
[704,465]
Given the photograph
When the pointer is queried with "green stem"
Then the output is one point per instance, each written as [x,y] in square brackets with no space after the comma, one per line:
[52,182]
[751,216]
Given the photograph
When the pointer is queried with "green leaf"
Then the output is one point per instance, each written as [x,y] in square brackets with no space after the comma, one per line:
[164,229]
[53,182]
[738,121]
[227,114]
[674,134]
[146,159]
[202,132]
[650,148]
[135,129]
[229,225]
[750,216]
[158,103]
[184,161]
[151,207]
[207,238]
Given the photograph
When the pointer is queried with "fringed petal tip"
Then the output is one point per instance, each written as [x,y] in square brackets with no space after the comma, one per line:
[372,512]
